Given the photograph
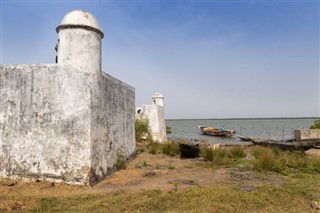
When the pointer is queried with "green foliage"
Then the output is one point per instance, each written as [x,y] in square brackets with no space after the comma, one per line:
[171,167]
[237,152]
[222,156]
[168,130]
[206,153]
[121,162]
[175,184]
[143,164]
[316,125]
[154,147]
[171,149]
[142,130]
[276,160]
[265,160]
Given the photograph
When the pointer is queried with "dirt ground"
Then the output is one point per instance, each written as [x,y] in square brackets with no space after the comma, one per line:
[160,171]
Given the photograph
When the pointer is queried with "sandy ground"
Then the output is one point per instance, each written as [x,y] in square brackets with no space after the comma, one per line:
[149,171]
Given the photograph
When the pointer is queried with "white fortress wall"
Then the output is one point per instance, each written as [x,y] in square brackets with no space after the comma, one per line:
[45,117]
[112,125]
[65,122]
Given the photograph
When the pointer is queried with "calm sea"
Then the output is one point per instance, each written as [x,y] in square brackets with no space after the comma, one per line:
[263,128]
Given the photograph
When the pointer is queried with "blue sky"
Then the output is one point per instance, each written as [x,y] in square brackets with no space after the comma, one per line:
[210,59]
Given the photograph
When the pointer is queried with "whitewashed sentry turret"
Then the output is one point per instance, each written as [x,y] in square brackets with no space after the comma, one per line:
[66,121]
[155,115]
[79,42]
[158,99]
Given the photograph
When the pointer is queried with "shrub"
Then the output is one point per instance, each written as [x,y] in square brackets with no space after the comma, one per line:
[237,152]
[206,153]
[171,167]
[143,164]
[171,149]
[266,160]
[154,148]
[121,162]
[168,130]
[142,129]
[316,125]
[279,161]
[221,157]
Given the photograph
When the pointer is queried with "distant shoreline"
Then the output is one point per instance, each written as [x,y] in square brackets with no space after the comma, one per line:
[275,118]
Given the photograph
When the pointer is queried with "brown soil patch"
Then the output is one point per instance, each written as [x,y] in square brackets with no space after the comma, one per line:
[149,171]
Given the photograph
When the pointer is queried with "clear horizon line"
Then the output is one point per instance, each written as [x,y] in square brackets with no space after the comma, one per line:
[257,118]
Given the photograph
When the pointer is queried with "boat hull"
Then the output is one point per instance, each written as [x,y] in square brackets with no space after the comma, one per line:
[216,132]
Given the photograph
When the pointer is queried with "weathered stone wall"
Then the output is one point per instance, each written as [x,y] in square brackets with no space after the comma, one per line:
[65,122]
[304,134]
[44,123]
[112,126]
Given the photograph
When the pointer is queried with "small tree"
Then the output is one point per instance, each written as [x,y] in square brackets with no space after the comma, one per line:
[142,130]
[316,125]
[168,130]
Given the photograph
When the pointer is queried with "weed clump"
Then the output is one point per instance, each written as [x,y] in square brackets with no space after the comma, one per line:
[276,160]
[142,130]
[237,152]
[206,153]
[316,125]
[154,147]
[171,149]
[265,160]
[121,162]
[222,156]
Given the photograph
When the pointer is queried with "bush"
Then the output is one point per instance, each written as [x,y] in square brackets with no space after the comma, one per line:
[276,160]
[121,162]
[206,153]
[142,129]
[171,149]
[154,147]
[237,152]
[316,125]
[168,130]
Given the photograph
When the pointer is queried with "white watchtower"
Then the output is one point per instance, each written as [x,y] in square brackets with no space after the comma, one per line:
[79,42]
[158,99]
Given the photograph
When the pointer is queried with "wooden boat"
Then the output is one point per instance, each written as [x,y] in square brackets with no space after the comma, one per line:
[295,145]
[244,138]
[216,132]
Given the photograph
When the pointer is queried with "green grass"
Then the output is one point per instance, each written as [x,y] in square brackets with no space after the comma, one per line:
[292,192]
[171,149]
[141,128]
[295,196]
[237,152]
[222,157]
[275,160]
[316,125]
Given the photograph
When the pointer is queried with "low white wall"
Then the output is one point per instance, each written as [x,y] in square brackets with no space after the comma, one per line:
[303,134]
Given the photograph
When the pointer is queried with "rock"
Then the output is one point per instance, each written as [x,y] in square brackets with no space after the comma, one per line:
[9,183]
[248,188]
[204,143]
[149,174]
[315,205]
[313,152]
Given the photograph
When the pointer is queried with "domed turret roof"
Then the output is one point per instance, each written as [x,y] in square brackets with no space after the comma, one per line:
[157,95]
[80,19]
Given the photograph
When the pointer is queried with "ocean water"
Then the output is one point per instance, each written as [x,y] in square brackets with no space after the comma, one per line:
[263,128]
